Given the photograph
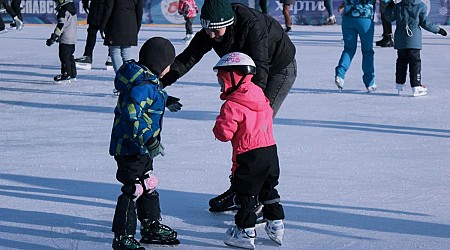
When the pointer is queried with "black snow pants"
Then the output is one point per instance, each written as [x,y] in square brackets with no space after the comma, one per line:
[411,58]
[67,60]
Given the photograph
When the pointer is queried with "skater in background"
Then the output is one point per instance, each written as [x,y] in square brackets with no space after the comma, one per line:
[410,16]
[236,27]
[188,9]
[15,15]
[287,14]
[120,26]
[65,34]
[357,20]
[94,10]
[245,119]
[15,5]
[136,141]
[387,38]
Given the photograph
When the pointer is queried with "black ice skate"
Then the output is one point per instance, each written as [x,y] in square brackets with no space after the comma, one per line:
[126,242]
[387,41]
[153,232]
[223,202]
[63,78]
[84,62]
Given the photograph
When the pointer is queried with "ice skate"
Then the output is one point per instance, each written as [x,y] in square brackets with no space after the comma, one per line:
[288,29]
[223,202]
[108,64]
[18,23]
[275,230]
[419,90]
[238,237]
[126,242]
[62,79]
[153,232]
[386,41]
[372,88]
[3,31]
[339,81]
[399,88]
[84,62]
[188,39]
[331,20]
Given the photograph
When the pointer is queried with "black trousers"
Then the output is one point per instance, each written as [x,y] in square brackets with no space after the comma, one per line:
[387,26]
[411,58]
[9,10]
[256,178]
[15,5]
[67,60]
[130,171]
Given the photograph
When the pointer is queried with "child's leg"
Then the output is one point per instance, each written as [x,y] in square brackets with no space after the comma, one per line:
[401,66]
[73,68]
[415,66]
[65,54]
[188,26]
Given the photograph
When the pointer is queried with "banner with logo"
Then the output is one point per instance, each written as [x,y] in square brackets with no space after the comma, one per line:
[304,12]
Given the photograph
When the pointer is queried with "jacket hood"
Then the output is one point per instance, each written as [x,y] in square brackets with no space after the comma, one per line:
[410,2]
[248,97]
[132,73]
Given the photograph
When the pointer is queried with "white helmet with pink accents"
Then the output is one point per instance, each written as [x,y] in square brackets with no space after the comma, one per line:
[236,61]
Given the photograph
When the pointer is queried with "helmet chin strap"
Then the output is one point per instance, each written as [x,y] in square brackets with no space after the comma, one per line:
[235,86]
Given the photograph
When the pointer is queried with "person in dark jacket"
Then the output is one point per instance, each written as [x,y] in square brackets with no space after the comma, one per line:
[136,141]
[18,24]
[120,26]
[238,28]
[94,10]
[410,16]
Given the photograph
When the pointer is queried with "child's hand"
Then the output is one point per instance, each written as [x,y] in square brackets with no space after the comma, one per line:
[442,32]
[53,39]
[173,104]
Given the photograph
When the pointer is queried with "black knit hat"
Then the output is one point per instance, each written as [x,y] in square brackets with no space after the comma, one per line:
[156,54]
[216,14]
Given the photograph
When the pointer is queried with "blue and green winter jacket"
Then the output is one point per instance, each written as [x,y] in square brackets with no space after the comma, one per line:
[359,8]
[410,16]
[139,111]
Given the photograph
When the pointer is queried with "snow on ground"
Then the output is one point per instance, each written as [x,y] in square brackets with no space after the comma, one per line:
[359,170]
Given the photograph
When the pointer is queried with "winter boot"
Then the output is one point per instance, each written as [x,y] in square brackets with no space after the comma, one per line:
[339,81]
[153,232]
[223,202]
[419,90]
[386,41]
[275,230]
[62,78]
[126,242]
[108,64]
[238,237]
[84,62]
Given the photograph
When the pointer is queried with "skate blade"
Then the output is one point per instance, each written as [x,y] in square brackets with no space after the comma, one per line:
[420,94]
[85,66]
[62,82]
[162,243]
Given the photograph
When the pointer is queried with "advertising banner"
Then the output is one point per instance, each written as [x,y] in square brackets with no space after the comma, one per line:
[304,12]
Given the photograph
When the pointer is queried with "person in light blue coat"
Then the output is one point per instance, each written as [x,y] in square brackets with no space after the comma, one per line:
[357,20]
[410,17]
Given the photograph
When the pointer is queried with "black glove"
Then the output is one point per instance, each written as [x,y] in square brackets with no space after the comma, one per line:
[442,32]
[54,38]
[391,4]
[173,104]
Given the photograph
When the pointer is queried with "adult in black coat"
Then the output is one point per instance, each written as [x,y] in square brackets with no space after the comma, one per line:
[121,22]
[94,10]
[248,31]
[238,28]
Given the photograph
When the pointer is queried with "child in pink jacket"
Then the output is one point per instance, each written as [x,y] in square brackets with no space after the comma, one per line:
[189,10]
[245,119]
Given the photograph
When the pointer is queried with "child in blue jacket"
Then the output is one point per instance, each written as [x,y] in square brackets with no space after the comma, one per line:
[135,141]
[410,16]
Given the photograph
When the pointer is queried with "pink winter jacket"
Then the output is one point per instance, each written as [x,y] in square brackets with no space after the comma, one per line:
[187,8]
[245,119]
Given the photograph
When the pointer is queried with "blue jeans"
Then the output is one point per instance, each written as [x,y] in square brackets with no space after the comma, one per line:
[351,29]
[119,54]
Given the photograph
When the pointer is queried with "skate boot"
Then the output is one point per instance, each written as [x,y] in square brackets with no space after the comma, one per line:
[419,90]
[108,64]
[372,88]
[288,29]
[188,39]
[399,88]
[275,230]
[238,237]
[386,41]
[223,202]
[62,78]
[84,62]
[153,232]
[339,81]
[331,20]
[126,242]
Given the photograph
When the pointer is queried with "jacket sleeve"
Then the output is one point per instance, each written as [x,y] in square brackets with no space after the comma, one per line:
[226,123]
[107,10]
[63,19]
[197,48]
[423,21]
[257,47]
